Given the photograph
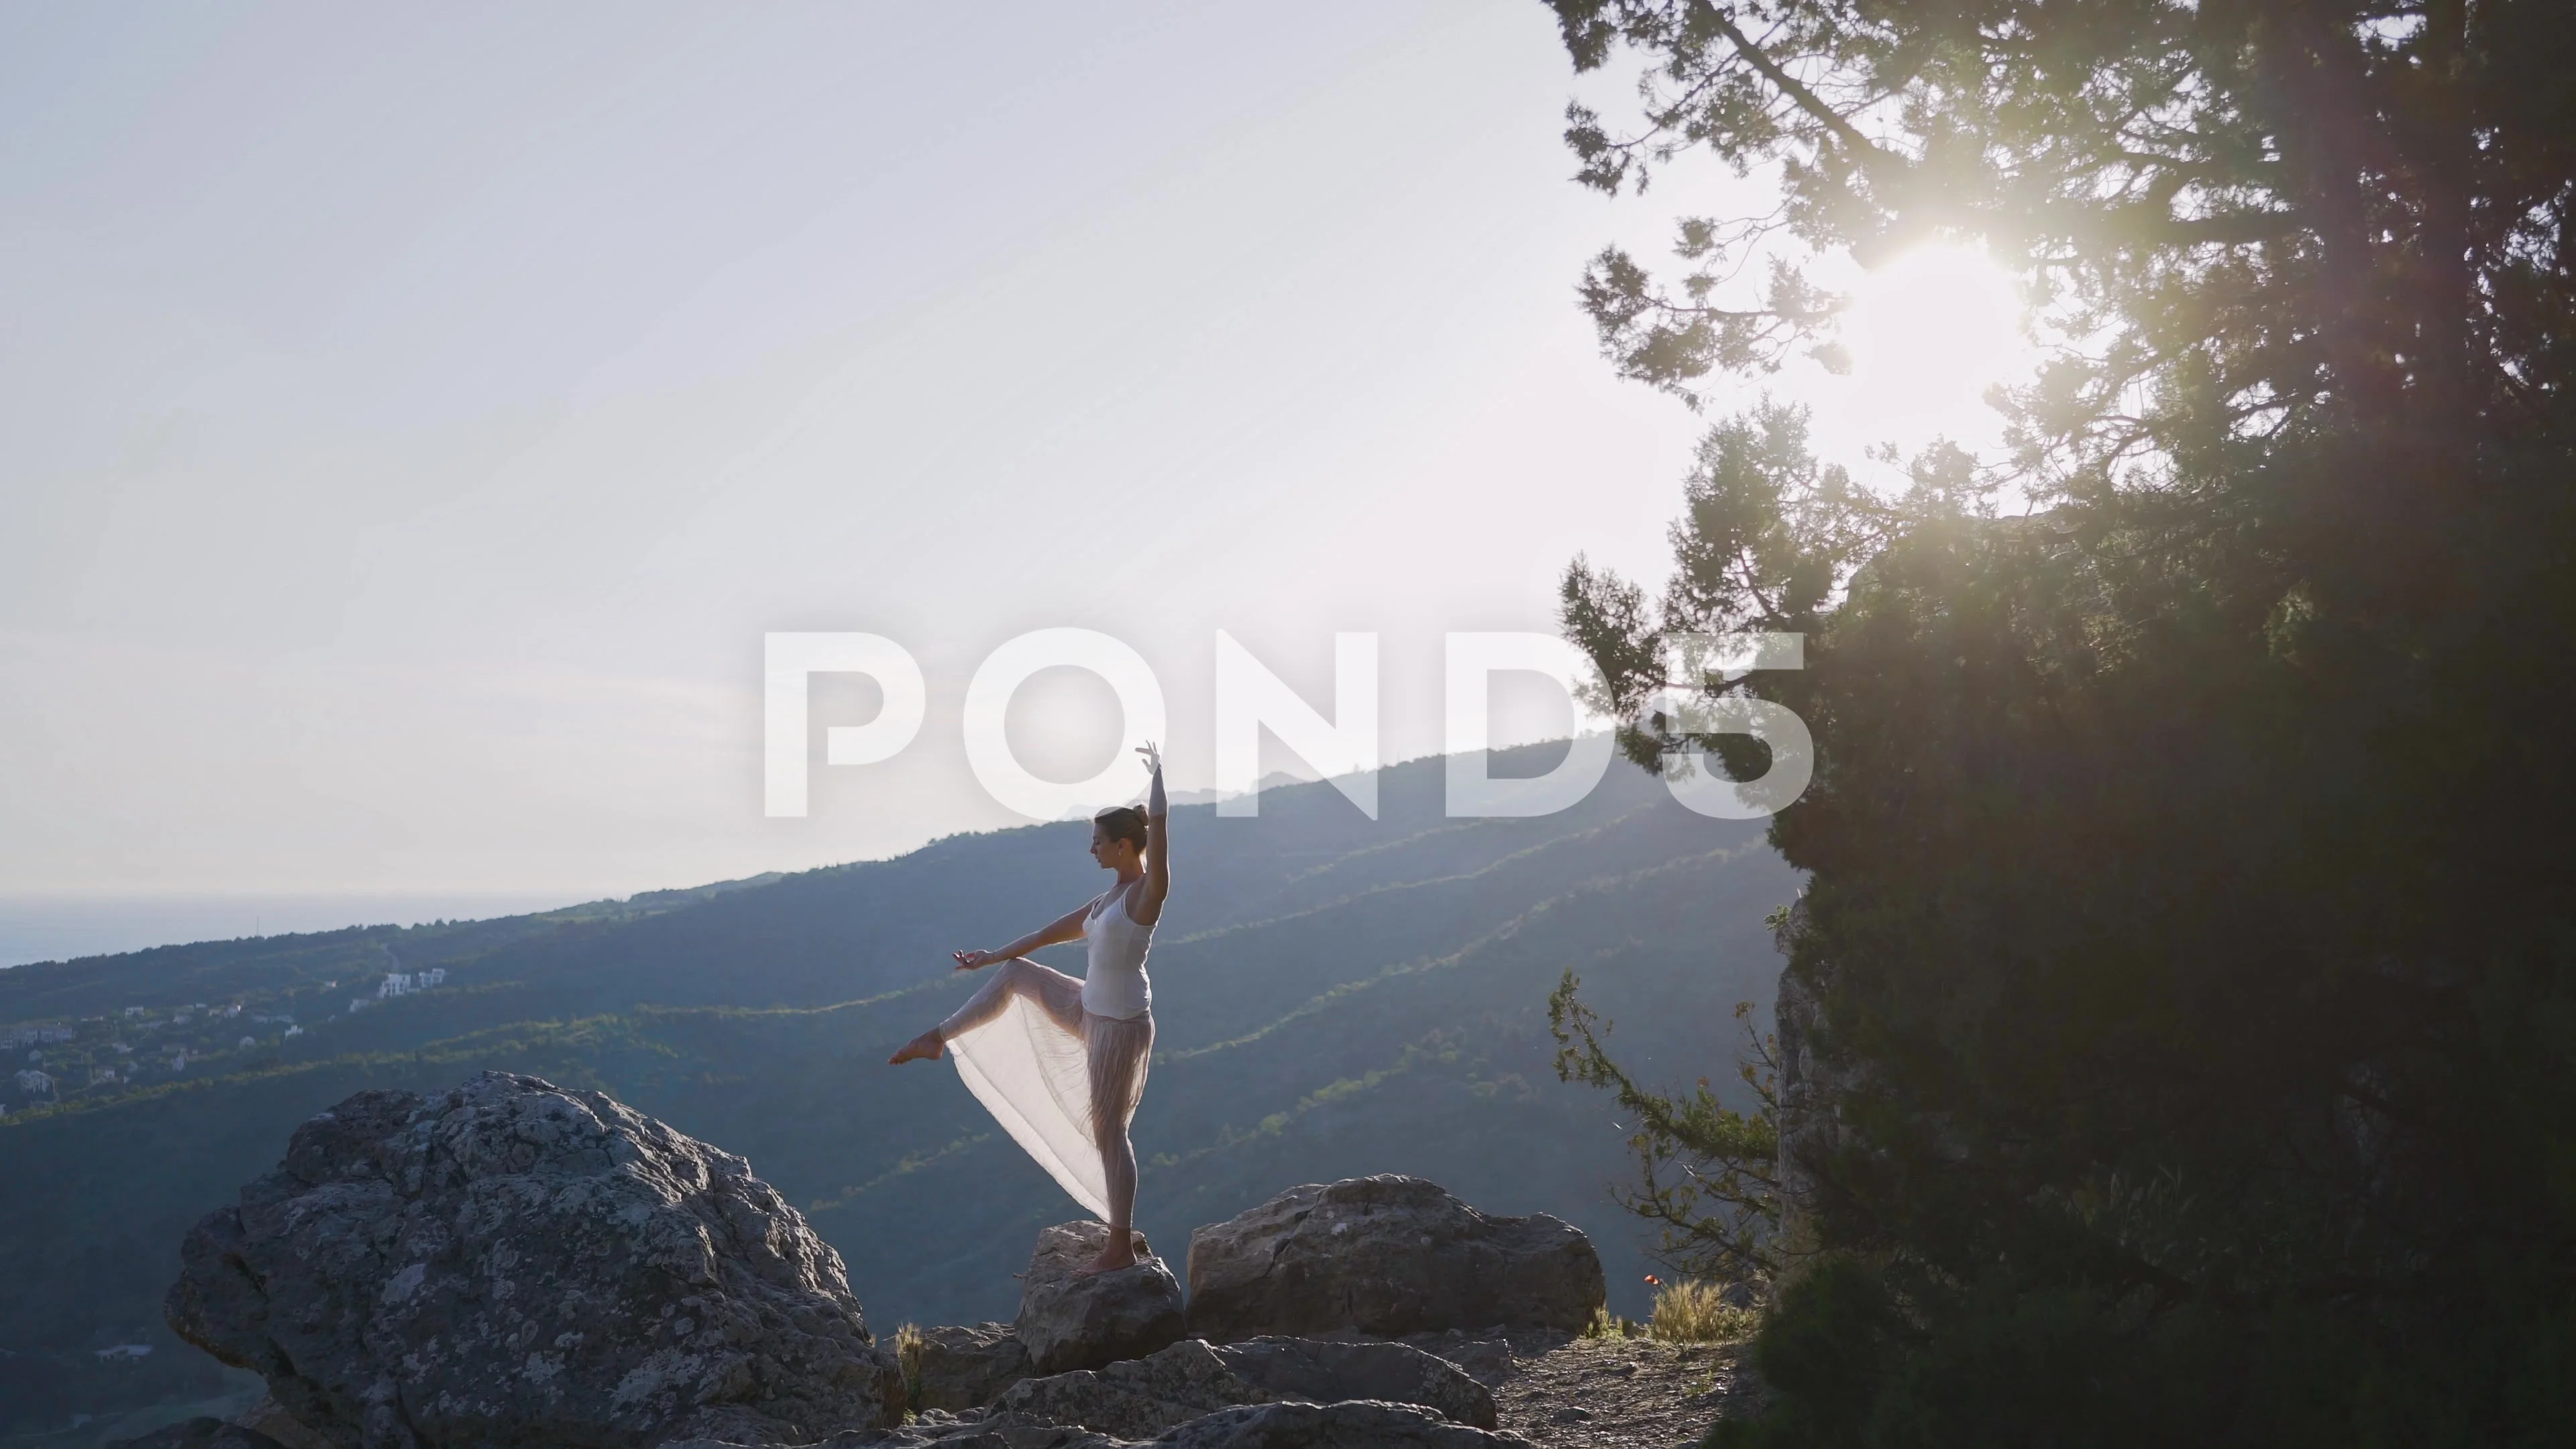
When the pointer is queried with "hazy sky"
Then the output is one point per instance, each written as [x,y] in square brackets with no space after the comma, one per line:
[411,418]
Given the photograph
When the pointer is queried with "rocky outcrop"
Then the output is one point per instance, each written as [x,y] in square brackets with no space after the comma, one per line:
[974,1430]
[1387,1256]
[966,1366]
[1358,1424]
[1137,1399]
[1141,1398]
[1306,1368]
[1070,1319]
[517,1264]
[1489,1361]
[1332,1426]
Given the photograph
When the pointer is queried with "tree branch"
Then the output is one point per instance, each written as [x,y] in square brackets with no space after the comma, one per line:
[1793,88]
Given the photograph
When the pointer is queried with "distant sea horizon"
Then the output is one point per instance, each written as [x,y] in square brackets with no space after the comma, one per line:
[37,928]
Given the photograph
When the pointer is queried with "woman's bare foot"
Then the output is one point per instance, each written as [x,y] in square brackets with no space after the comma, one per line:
[926,1047]
[1112,1258]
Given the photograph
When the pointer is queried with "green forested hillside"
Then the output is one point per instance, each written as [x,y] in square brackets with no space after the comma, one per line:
[1334,996]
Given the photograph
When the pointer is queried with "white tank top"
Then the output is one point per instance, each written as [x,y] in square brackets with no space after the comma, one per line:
[1113,978]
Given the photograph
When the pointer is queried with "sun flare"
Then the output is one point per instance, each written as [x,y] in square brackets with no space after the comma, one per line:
[1928,333]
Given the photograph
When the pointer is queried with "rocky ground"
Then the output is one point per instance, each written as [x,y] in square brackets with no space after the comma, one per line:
[557,1267]
[1607,1393]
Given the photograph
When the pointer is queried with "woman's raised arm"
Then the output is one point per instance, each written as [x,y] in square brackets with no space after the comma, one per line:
[1148,905]
[1066,928]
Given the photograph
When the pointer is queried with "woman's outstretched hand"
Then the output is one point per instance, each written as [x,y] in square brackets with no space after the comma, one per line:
[975,960]
[1156,807]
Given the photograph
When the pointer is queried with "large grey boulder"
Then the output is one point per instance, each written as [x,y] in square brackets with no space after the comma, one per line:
[965,1366]
[1387,1256]
[1141,1398]
[517,1264]
[1359,1424]
[1070,1319]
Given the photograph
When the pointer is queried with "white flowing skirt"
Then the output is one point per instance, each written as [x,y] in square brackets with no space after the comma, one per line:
[1060,1081]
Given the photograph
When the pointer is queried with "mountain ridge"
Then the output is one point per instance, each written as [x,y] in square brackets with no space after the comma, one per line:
[1341,996]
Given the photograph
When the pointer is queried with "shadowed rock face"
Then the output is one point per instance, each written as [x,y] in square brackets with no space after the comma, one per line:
[1070,1319]
[1136,1399]
[517,1264]
[966,1366]
[1304,1368]
[1387,1256]
[1332,1426]
[1358,1424]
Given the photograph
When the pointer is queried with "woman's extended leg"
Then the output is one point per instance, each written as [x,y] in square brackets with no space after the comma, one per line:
[1118,1051]
[1058,995]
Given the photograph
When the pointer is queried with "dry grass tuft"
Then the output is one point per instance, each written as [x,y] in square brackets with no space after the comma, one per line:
[1606,1324]
[907,1351]
[1699,1313]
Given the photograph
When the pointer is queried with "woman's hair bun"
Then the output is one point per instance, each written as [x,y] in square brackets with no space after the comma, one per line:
[1123,822]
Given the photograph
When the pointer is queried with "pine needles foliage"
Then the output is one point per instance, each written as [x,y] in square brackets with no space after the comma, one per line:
[2190,930]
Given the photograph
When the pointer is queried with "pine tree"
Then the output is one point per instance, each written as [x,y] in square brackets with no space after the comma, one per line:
[2191,920]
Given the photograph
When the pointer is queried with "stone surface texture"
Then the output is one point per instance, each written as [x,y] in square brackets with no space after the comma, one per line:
[517,1264]
[1358,1424]
[1071,1320]
[1487,1358]
[1349,1425]
[1141,1398]
[1305,1368]
[965,1366]
[975,1430]
[1388,1256]
[1555,1391]
[1137,1398]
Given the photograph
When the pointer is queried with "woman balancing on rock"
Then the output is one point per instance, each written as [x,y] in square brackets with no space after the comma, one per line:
[1060,1063]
